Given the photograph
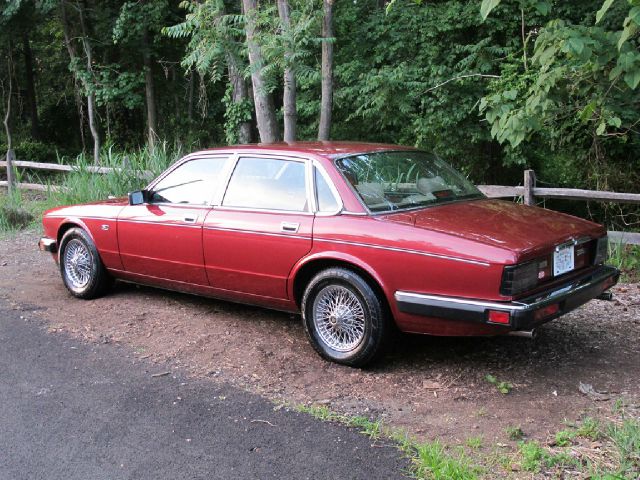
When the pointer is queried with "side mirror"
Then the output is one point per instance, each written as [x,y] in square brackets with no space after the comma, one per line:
[138,197]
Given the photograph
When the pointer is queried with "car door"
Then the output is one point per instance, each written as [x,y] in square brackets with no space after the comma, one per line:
[261,227]
[163,237]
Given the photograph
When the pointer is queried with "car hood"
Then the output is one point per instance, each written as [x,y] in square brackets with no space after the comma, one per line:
[99,208]
[512,226]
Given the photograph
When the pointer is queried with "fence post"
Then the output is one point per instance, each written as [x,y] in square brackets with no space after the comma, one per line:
[10,172]
[529,185]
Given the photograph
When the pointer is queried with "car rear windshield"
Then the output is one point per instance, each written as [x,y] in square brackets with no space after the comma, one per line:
[389,181]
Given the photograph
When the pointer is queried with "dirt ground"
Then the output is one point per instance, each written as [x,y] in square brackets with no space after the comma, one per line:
[432,387]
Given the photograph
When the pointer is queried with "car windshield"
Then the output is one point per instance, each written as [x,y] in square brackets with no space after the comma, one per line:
[388,181]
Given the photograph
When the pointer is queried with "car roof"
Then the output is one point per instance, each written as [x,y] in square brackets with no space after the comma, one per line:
[320,149]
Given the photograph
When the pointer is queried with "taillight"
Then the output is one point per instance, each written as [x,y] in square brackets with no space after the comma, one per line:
[602,251]
[499,316]
[520,278]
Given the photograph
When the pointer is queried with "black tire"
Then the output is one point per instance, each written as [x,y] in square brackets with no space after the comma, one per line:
[356,307]
[81,268]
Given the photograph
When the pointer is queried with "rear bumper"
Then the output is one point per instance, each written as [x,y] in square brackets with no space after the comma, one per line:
[523,313]
[47,245]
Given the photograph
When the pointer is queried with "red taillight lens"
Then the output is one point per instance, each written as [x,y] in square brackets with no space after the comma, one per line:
[547,311]
[497,316]
[520,278]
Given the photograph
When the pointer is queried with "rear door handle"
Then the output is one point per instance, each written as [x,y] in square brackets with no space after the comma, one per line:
[289,227]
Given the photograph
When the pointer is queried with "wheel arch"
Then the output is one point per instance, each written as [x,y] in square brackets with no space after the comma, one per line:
[69,223]
[309,267]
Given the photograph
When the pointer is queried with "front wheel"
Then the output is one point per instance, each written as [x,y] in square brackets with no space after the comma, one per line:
[82,270]
[344,319]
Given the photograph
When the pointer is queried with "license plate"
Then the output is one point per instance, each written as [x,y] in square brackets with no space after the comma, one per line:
[563,259]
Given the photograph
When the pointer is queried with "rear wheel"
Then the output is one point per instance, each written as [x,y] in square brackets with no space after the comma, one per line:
[82,270]
[344,319]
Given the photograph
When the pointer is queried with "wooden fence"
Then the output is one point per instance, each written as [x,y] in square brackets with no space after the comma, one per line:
[529,191]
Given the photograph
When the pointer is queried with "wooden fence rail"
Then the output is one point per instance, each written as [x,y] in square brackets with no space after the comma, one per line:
[529,192]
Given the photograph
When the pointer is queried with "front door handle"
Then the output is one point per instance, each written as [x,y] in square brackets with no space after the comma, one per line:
[289,227]
[190,219]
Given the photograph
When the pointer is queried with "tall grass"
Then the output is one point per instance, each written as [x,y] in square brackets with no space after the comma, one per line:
[627,259]
[132,171]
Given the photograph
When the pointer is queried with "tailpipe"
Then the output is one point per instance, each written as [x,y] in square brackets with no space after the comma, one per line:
[533,333]
[608,296]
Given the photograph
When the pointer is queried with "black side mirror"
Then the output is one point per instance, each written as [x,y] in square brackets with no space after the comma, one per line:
[138,197]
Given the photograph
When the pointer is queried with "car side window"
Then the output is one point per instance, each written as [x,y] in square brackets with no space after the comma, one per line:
[327,202]
[194,182]
[268,184]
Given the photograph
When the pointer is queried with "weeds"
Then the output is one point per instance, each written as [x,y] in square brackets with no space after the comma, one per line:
[514,432]
[503,387]
[474,442]
[627,259]
[430,460]
[131,171]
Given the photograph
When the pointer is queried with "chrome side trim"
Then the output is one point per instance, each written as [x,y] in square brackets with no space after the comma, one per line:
[226,208]
[402,250]
[166,224]
[268,234]
[422,299]
[83,217]
[334,191]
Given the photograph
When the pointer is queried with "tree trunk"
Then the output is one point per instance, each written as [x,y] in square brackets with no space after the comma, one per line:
[289,96]
[66,30]
[240,95]
[149,91]
[265,111]
[30,85]
[91,96]
[192,81]
[7,127]
[326,102]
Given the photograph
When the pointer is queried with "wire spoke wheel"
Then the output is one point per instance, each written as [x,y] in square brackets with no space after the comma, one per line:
[339,318]
[77,264]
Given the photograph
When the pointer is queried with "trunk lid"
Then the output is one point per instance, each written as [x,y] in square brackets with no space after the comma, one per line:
[520,228]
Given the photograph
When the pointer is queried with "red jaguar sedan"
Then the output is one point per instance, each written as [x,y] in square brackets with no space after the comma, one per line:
[356,237]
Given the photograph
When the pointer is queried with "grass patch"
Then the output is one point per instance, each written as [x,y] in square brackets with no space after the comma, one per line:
[134,169]
[474,442]
[429,460]
[514,432]
[627,259]
[502,387]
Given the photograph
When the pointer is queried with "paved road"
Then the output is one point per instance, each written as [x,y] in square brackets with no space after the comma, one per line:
[70,410]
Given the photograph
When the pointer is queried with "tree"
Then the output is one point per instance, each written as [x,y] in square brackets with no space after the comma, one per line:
[85,77]
[137,24]
[289,96]
[262,99]
[216,38]
[7,96]
[326,102]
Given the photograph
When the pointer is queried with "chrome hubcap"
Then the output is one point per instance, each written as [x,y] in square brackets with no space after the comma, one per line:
[339,318]
[77,264]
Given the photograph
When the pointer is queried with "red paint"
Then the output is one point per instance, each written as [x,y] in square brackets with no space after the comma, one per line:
[457,250]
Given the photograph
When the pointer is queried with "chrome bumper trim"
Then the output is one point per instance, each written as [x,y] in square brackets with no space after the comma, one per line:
[47,245]
[570,295]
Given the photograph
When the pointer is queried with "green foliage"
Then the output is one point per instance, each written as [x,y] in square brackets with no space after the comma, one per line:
[514,433]
[213,35]
[434,462]
[474,442]
[235,114]
[626,438]
[503,387]
[626,258]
